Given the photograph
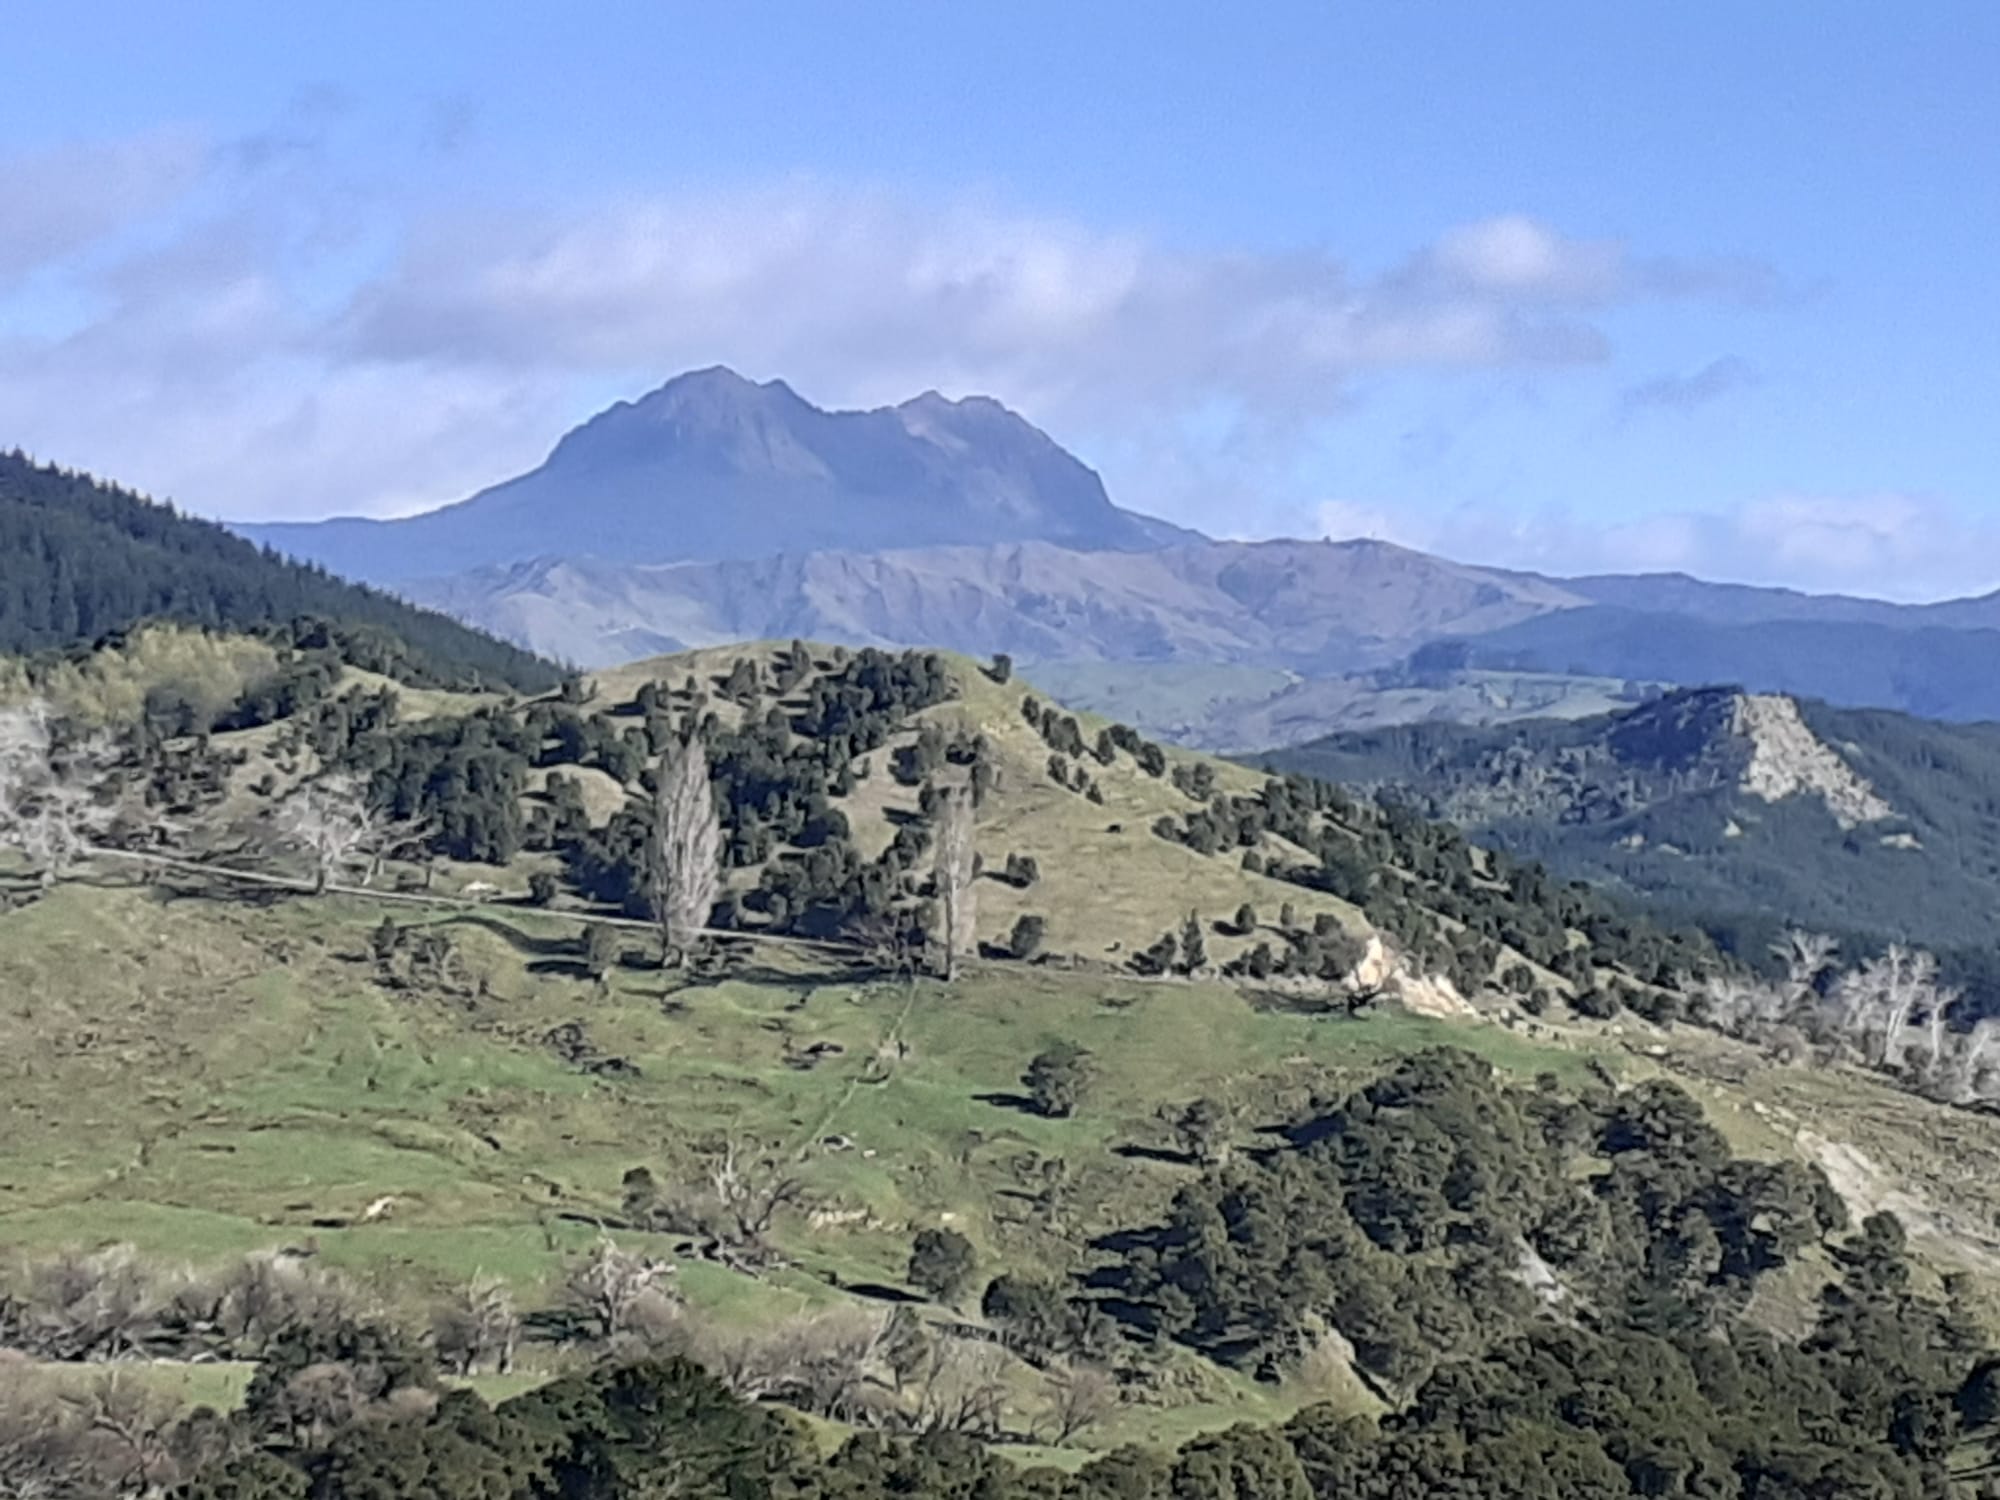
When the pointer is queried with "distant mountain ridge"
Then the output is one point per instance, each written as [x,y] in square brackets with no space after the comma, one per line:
[716,508]
[714,467]
[1301,606]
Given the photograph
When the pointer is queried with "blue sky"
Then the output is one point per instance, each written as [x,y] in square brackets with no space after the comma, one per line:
[1570,286]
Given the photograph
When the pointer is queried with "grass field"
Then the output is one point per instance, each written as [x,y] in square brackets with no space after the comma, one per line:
[205,1077]
[204,1073]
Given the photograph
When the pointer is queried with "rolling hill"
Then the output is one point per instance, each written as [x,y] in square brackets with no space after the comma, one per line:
[474,1077]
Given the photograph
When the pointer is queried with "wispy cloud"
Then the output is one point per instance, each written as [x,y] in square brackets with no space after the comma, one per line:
[64,199]
[281,343]
[1687,393]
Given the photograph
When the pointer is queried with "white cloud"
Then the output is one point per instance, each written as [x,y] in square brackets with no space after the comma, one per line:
[64,199]
[1685,393]
[283,345]
[869,297]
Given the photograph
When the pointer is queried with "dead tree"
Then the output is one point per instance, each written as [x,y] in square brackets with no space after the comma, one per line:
[329,819]
[1080,1397]
[954,876]
[478,1325]
[687,848]
[52,805]
[1873,1005]
[750,1191]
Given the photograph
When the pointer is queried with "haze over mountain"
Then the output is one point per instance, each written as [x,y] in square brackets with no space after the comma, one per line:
[712,466]
[1303,606]
[716,509]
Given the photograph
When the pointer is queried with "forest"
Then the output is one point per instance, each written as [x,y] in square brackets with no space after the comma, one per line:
[81,559]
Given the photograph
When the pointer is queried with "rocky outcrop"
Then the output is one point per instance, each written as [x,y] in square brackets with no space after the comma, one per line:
[1788,760]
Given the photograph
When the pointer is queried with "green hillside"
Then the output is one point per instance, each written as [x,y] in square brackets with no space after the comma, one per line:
[81,559]
[1654,801]
[1294,1146]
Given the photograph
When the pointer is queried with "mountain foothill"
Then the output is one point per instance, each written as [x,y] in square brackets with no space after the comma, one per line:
[555,996]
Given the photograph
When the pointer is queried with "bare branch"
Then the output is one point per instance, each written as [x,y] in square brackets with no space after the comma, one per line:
[52,794]
[331,821]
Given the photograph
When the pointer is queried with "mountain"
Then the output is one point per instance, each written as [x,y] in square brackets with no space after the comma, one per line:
[1914,666]
[1295,606]
[1724,805]
[712,466]
[81,559]
[1747,604]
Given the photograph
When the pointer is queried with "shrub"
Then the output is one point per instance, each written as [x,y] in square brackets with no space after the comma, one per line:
[1025,941]
[1058,1078]
[942,1262]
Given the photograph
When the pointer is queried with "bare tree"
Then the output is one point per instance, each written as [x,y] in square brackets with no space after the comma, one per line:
[687,847]
[611,1290]
[52,804]
[477,1325]
[1807,957]
[962,1387]
[1080,1397]
[1965,1072]
[329,819]
[954,876]
[1873,1005]
[751,1191]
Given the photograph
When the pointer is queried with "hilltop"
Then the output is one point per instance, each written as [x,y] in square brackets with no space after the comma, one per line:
[713,466]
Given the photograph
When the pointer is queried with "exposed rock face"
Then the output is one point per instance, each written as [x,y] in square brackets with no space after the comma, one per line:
[1788,760]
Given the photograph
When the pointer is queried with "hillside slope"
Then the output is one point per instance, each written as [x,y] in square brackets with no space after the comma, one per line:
[81,559]
[712,466]
[1738,807]
[1240,1192]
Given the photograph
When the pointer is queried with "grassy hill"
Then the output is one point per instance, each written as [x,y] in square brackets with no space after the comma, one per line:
[412,1087]
[81,559]
[1236,709]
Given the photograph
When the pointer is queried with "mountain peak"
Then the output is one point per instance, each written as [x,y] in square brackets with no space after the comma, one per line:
[713,466]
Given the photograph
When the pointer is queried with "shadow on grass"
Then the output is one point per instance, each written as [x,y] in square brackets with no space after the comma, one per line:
[875,1291]
[1020,1103]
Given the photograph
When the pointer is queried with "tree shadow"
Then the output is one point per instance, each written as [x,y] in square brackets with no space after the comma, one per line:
[875,1291]
[521,942]
[558,968]
[1018,1102]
